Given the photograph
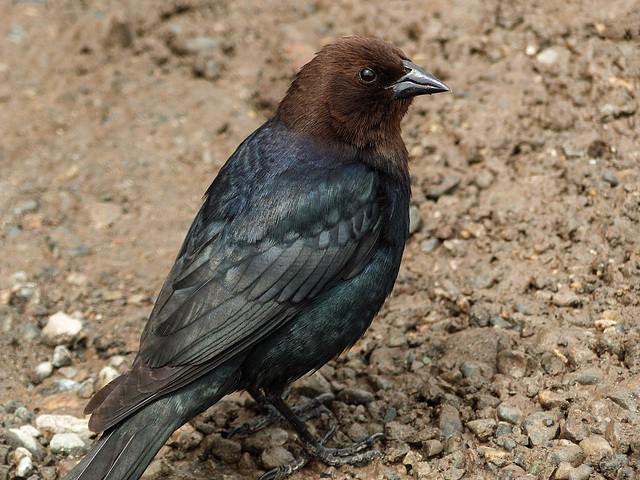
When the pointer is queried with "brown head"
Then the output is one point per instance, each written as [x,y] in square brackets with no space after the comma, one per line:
[355,92]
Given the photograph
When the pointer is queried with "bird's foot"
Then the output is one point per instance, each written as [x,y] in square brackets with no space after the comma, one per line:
[311,409]
[358,453]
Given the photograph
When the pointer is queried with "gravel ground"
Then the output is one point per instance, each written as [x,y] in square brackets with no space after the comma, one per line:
[509,347]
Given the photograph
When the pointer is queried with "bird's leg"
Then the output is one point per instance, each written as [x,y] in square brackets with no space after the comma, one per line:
[311,409]
[314,449]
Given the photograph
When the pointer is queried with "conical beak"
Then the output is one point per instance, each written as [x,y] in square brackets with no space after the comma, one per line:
[416,82]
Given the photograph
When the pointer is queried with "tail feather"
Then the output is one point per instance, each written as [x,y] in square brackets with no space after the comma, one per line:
[124,451]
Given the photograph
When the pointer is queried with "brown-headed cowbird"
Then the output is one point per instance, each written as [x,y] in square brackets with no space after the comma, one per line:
[296,246]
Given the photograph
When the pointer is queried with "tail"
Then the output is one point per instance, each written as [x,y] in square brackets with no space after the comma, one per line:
[125,450]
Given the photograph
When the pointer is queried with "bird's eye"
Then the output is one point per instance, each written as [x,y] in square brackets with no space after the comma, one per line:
[367,75]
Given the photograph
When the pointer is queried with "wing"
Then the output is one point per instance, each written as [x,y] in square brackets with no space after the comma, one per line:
[278,227]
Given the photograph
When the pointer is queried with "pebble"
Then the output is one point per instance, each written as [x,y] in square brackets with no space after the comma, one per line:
[63,385]
[313,386]
[227,450]
[583,472]
[569,454]
[550,400]
[64,424]
[449,421]
[482,428]
[446,186]
[69,444]
[548,56]
[615,464]
[563,471]
[61,329]
[106,375]
[510,413]
[24,468]
[382,358]
[43,370]
[185,438]
[596,447]
[275,456]
[541,428]
[431,448]
[512,363]
[26,437]
[575,429]
[354,396]
[256,443]
[86,390]
[587,376]
[610,178]
[61,357]
[415,221]
[565,298]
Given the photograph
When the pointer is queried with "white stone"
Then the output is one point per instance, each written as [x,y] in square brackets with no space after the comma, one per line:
[69,443]
[64,424]
[61,329]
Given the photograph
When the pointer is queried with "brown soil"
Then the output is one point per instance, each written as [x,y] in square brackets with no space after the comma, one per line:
[519,291]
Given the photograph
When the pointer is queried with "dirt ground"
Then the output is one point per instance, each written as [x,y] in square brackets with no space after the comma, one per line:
[509,347]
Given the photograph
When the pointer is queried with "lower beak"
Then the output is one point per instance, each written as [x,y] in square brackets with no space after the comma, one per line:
[416,82]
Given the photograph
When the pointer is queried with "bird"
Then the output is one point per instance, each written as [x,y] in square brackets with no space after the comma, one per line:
[295,248]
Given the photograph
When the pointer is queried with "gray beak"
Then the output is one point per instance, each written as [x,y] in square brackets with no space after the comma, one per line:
[416,82]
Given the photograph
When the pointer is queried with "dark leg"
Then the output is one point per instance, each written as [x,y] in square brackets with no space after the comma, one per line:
[312,409]
[314,449]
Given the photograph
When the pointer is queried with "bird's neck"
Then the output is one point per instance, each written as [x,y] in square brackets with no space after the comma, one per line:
[382,149]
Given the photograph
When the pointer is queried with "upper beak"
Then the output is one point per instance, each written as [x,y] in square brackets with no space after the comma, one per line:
[416,82]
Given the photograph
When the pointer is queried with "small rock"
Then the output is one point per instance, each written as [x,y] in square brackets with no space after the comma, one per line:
[566,298]
[587,376]
[548,56]
[382,358]
[26,437]
[61,357]
[569,454]
[510,413]
[227,450]
[63,385]
[550,400]
[415,221]
[575,429]
[258,442]
[43,370]
[354,396]
[513,363]
[86,390]
[446,186]
[61,329]
[563,471]
[69,444]
[106,375]
[482,428]
[596,447]
[275,456]
[64,424]
[397,338]
[611,179]
[541,428]
[207,67]
[412,457]
[431,448]
[615,464]
[24,468]
[313,385]
[185,438]
[583,472]
[449,421]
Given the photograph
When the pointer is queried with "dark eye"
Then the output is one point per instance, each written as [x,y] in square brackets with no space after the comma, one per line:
[367,75]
